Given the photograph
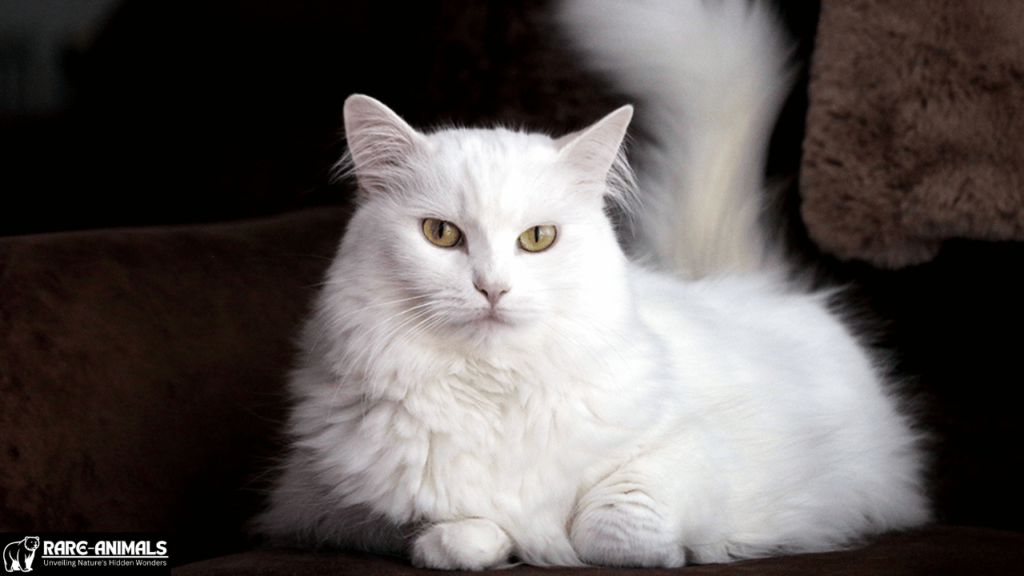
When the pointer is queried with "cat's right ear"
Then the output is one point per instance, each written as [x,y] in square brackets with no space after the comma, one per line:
[379,141]
[595,150]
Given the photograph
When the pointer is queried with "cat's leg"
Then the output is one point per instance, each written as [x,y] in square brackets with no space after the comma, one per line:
[470,544]
[628,520]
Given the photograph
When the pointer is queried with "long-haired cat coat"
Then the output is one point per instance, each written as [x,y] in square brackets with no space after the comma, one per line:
[488,378]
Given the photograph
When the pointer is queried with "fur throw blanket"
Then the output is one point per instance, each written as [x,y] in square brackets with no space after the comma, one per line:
[915,130]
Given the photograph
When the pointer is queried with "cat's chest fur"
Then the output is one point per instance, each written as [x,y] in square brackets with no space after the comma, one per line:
[475,438]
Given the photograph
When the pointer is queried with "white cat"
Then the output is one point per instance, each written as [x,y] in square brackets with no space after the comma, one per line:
[486,376]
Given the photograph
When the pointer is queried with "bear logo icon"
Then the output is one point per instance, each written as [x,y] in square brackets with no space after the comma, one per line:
[18,556]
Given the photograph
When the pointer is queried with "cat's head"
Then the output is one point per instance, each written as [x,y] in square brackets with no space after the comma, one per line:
[482,236]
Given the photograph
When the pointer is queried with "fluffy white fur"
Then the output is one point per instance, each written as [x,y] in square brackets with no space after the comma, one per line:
[711,76]
[478,404]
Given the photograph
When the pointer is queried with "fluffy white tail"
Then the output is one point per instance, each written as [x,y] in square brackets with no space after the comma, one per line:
[709,77]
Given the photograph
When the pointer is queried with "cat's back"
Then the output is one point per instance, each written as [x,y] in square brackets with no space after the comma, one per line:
[744,310]
[769,353]
[771,386]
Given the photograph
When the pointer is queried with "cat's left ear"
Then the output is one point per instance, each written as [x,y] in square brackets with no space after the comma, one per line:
[378,140]
[593,150]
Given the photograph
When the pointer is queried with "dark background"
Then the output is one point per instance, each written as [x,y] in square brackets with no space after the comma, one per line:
[185,111]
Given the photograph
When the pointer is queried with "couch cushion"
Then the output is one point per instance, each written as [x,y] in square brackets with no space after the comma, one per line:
[141,373]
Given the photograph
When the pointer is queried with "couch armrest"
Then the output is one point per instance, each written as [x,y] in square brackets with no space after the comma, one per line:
[141,373]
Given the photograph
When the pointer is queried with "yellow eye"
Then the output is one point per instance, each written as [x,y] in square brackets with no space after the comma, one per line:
[441,233]
[537,238]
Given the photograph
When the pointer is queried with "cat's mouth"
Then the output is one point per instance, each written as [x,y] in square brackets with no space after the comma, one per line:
[486,320]
[494,316]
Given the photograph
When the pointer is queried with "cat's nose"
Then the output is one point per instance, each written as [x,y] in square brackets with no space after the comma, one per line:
[493,291]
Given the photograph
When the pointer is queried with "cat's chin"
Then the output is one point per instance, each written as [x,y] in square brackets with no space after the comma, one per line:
[491,321]
[490,328]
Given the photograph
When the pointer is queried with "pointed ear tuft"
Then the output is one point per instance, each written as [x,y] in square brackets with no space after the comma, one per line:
[593,150]
[379,141]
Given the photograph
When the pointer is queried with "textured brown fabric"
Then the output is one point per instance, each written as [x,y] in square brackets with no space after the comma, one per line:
[914,127]
[141,372]
[938,550]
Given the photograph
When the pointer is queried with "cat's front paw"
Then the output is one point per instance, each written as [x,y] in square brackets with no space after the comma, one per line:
[471,544]
[623,526]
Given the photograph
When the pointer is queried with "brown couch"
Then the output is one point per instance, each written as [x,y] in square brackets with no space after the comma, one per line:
[143,351]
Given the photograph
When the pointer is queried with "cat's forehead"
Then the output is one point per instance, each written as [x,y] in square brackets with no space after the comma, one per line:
[498,172]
